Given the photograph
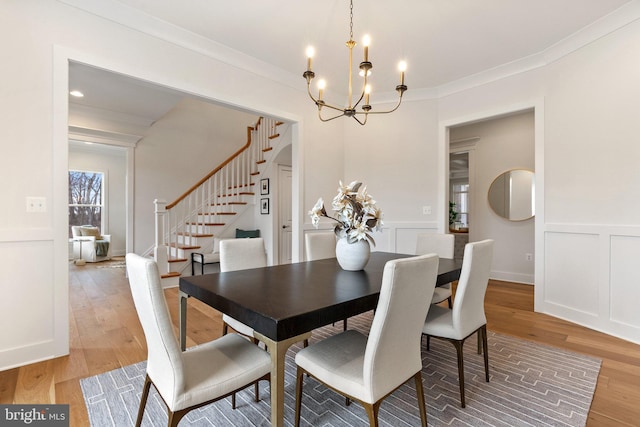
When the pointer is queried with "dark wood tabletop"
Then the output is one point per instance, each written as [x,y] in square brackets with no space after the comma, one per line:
[287,300]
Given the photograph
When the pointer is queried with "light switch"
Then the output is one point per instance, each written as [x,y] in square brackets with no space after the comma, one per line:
[36,204]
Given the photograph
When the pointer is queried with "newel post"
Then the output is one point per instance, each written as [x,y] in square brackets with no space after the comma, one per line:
[160,251]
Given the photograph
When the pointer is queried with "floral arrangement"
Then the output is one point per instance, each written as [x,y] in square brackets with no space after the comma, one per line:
[356,213]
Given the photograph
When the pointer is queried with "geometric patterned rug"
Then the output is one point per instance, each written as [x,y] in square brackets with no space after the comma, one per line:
[530,385]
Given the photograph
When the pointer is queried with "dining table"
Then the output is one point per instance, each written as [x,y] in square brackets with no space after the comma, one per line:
[285,303]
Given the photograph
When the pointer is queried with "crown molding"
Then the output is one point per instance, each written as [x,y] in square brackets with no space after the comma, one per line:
[138,21]
[84,134]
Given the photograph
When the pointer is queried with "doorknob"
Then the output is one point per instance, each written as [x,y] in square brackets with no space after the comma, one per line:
[286,226]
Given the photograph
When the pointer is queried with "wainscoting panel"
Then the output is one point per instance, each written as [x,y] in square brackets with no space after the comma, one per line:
[592,277]
[27,309]
[571,271]
[625,280]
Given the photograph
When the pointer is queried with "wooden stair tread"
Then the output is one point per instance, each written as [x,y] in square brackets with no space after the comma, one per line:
[274,136]
[266,150]
[255,173]
[259,162]
[178,246]
[217,213]
[251,184]
[182,233]
[241,193]
[177,259]
[210,224]
[170,274]
[228,203]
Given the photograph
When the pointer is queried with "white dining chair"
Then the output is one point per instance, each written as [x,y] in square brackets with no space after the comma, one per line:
[241,254]
[202,374]
[443,245]
[320,245]
[467,315]
[367,370]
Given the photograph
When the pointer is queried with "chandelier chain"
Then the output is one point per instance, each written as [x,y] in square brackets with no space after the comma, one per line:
[351,21]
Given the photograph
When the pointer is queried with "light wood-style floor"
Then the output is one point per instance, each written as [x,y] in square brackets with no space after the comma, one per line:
[105,334]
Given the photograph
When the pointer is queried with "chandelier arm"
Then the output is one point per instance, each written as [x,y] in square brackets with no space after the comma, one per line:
[330,118]
[332,107]
[359,100]
[363,122]
[310,95]
[382,112]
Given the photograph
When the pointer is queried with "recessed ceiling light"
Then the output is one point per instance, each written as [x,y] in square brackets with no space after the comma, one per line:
[76,93]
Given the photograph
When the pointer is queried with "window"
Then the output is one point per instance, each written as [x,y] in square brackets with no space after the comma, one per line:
[85,198]
[460,196]
[459,188]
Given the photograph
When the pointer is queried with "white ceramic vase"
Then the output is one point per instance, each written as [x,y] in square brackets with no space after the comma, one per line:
[352,256]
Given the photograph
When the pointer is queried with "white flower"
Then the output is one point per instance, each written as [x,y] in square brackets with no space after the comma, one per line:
[356,213]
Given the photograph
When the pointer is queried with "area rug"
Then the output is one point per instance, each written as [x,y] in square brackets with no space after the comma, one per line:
[530,385]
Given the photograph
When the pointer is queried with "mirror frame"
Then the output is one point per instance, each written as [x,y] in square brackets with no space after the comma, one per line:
[506,174]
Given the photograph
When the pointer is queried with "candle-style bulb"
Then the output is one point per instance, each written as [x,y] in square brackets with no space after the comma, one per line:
[321,85]
[367,91]
[310,53]
[402,66]
[366,40]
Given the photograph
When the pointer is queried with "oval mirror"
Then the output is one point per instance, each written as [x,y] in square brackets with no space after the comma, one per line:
[511,195]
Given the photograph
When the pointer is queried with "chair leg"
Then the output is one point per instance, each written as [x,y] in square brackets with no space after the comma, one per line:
[372,413]
[233,401]
[143,400]
[175,417]
[479,342]
[449,302]
[420,395]
[485,346]
[344,325]
[299,378]
[458,345]
[225,328]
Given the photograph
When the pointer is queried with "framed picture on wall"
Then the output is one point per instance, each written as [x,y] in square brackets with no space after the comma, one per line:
[264,206]
[264,187]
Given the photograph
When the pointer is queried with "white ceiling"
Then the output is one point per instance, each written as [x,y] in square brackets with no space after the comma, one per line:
[442,40]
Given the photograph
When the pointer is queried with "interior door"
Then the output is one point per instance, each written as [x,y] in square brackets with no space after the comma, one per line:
[285,220]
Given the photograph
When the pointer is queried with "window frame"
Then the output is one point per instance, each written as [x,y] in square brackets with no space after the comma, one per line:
[103,199]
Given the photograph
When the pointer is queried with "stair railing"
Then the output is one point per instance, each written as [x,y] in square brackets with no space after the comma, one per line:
[203,207]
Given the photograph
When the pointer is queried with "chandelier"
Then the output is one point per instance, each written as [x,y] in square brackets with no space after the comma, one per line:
[365,71]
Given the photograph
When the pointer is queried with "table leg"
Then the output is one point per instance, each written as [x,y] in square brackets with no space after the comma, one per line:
[278,350]
[182,302]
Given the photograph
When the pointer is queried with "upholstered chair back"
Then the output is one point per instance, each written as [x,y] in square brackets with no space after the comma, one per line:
[164,362]
[436,243]
[320,245]
[242,254]
[468,305]
[392,353]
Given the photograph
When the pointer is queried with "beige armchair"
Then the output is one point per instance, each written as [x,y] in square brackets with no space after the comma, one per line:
[89,245]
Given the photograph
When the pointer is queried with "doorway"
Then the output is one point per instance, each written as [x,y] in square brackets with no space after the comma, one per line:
[500,143]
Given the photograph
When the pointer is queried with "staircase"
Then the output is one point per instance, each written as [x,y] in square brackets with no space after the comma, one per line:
[210,207]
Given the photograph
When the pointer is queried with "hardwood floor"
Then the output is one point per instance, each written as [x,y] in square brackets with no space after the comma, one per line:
[105,334]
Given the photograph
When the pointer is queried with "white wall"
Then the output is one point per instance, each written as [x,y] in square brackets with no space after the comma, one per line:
[504,143]
[111,161]
[587,229]
[396,157]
